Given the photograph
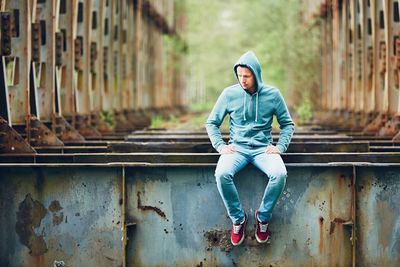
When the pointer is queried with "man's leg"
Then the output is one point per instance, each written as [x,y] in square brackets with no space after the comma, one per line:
[228,165]
[272,165]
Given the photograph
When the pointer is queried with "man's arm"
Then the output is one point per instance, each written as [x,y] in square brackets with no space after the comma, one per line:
[215,120]
[285,123]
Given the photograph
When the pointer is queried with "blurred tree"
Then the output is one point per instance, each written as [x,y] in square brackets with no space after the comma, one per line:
[219,31]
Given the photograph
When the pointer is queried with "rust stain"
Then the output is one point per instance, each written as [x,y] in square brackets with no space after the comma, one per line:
[333,224]
[387,225]
[321,234]
[342,181]
[55,207]
[29,215]
[330,205]
[144,207]
[39,260]
[219,238]
[57,219]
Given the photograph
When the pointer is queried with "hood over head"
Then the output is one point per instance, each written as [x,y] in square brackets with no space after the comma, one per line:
[250,61]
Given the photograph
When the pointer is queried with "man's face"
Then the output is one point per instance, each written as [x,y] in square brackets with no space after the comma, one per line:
[246,78]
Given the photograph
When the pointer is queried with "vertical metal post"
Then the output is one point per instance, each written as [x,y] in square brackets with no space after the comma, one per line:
[123,215]
[381,48]
[336,55]
[124,93]
[354,216]
[139,56]
[115,57]
[392,126]
[367,60]
[353,56]
[20,57]
[66,72]
[46,17]
[379,26]
[396,19]
[96,27]
[108,77]
[345,65]
[389,94]
[131,56]
[324,66]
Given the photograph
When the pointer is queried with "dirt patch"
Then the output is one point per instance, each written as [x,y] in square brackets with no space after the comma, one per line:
[220,239]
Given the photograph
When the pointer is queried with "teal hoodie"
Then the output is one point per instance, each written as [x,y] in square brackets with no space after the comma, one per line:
[250,115]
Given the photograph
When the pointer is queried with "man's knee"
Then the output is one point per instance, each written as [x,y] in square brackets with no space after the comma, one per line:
[278,174]
[223,176]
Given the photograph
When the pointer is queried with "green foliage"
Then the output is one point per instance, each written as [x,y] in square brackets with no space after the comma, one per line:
[168,122]
[157,121]
[219,32]
[178,45]
[108,118]
[199,107]
[304,111]
[196,122]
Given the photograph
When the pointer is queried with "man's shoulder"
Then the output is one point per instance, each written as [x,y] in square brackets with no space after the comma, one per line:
[270,89]
[233,89]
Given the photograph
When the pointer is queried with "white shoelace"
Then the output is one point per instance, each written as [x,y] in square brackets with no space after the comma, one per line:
[236,228]
[263,227]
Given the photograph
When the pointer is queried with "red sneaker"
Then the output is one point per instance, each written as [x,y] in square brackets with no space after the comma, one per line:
[262,231]
[237,235]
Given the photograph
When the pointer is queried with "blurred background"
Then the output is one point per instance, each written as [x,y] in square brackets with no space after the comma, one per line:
[219,32]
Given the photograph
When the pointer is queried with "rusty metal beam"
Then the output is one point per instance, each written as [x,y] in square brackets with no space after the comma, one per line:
[194,158]
[11,141]
[84,208]
[295,147]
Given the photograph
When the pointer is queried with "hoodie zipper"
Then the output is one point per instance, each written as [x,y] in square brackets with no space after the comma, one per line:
[249,108]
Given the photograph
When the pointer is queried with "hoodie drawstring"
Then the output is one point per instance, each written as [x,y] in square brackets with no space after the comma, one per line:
[244,106]
[256,106]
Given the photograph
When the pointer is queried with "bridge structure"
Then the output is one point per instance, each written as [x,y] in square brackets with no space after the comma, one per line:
[81,189]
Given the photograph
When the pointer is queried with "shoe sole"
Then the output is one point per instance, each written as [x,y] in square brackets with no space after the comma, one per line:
[240,242]
[260,241]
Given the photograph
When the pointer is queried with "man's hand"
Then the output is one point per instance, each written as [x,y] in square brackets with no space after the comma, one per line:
[271,149]
[228,149]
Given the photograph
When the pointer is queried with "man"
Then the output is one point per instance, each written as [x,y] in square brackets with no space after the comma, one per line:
[251,106]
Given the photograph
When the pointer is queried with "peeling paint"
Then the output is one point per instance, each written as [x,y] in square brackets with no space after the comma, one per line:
[29,215]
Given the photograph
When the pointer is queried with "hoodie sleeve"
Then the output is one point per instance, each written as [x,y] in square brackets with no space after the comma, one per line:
[285,123]
[215,120]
